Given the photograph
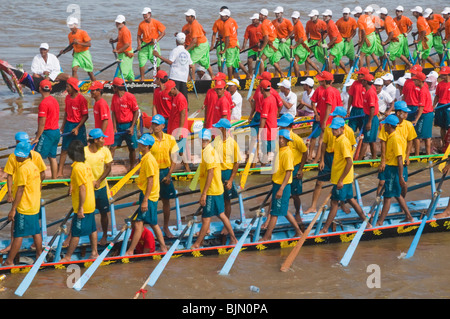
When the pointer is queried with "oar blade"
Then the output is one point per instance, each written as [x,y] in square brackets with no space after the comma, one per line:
[194,182]
[352,247]
[162,264]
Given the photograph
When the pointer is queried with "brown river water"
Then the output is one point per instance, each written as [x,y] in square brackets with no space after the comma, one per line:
[315,274]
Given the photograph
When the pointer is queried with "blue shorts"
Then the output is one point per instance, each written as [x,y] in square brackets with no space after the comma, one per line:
[370,136]
[424,126]
[67,139]
[85,226]
[214,206]
[381,175]
[316,130]
[229,194]
[48,143]
[26,225]
[412,115]
[101,200]
[279,207]
[151,215]
[441,117]
[254,124]
[131,140]
[356,123]
[325,174]
[166,191]
[392,185]
[343,194]
[268,146]
[297,184]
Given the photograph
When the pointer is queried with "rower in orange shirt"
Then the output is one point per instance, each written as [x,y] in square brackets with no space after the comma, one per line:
[436,23]
[253,34]
[347,27]
[405,26]
[270,45]
[369,41]
[316,31]
[284,30]
[336,43]
[424,40]
[124,48]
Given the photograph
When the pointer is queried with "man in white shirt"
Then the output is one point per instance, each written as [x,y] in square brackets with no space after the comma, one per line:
[399,89]
[236,97]
[46,65]
[305,104]
[385,101]
[288,97]
[180,64]
[389,86]
[201,74]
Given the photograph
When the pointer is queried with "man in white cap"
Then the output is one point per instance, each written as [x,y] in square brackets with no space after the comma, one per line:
[389,87]
[347,26]
[180,64]
[269,47]
[150,31]
[80,42]
[369,41]
[405,26]
[46,65]
[436,23]
[336,43]
[385,101]
[253,35]
[315,32]
[424,39]
[288,97]
[236,97]
[305,99]
[399,88]
[196,42]
[284,30]
[124,48]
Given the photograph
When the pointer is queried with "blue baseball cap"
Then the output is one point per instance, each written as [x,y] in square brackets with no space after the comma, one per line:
[286,134]
[158,119]
[22,137]
[391,119]
[401,106]
[22,149]
[96,133]
[146,139]
[285,120]
[337,122]
[205,134]
[339,111]
[225,123]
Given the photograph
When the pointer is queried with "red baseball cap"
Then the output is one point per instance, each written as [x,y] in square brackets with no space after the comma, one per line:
[363,71]
[46,85]
[220,76]
[419,76]
[73,83]
[118,82]
[416,69]
[161,74]
[265,76]
[445,70]
[324,76]
[169,85]
[265,84]
[219,84]
[368,77]
[96,85]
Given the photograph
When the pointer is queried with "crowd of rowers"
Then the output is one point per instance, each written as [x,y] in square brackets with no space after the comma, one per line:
[92,153]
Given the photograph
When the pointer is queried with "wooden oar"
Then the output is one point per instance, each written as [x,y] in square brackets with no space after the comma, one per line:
[428,216]
[351,249]
[231,259]
[37,264]
[4,224]
[441,166]
[290,259]
[123,181]
[151,280]
[67,49]
[248,165]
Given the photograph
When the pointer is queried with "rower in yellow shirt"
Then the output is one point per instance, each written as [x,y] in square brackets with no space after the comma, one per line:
[83,201]
[281,186]
[300,152]
[26,205]
[148,183]
[341,174]
[211,189]
[393,172]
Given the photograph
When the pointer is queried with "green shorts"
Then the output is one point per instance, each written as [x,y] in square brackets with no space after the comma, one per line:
[424,53]
[301,53]
[146,54]
[349,49]
[84,226]
[83,60]
[338,52]
[317,50]
[285,50]
[396,49]
[26,225]
[232,57]
[375,45]
[272,56]
[200,55]
[214,206]
[437,44]
[126,66]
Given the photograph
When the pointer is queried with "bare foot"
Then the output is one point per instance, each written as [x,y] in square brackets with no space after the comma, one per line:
[103,241]
[444,214]
[5,250]
[64,260]
[93,256]
[310,210]
[167,233]
[407,220]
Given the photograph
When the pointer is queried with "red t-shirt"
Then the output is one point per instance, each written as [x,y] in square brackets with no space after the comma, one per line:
[357,91]
[321,97]
[425,100]
[270,112]
[124,107]
[163,102]
[210,105]
[76,108]
[222,108]
[259,98]
[410,93]
[101,113]
[49,108]
[332,97]
[179,103]
[443,92]
[147,240]
[370,100]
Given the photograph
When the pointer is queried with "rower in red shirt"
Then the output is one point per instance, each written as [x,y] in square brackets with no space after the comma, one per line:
[423,122]
[162,102]
[76,114]
[125,112]
[371,121]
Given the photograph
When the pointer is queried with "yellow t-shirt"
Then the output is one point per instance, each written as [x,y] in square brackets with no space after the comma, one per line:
[210,160]
[163,149]
[12,164]
[342,150]
[28,175]
[298,147]
[406,130]
[395,146]
[97,162]
[283,162]
[149,167]
[82,175]
[330,139]
[227,151]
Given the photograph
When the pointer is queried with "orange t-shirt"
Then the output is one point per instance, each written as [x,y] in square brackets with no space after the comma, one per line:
[299,32]
[435,23]
[346,28]
[284,28]
[80,36]
[313,29]
[365,23]
[333,31]
[150,30]
[218,26]
[422,25]
[403,23]
[447,29]
[268,29]
[194,30]
[391,26]
[124,38]
[231,32]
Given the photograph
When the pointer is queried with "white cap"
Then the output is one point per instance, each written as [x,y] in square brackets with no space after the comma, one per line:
[279,10]
[225,12]
[417,9]
[358,9]
[378,81]
[146,10]
[255,16]
[295,15]
[427,12]
[399,8]
[401,81]
[233,82]
[407,75]
[349,83]
[382,10]
[72,21]
[44,46]
[346,10]
[181,37]
[446,10]
[308,81]
[327,13]
[368,9]
[264,12]
[433,74]
[190,12]
[313,13]
[120,19]
[388,77]
[285,83]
